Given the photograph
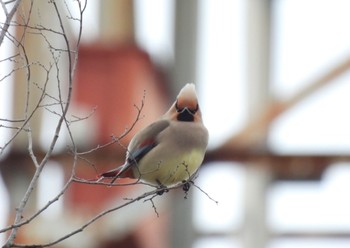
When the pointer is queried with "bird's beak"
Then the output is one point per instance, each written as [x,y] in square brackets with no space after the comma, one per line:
[188,110]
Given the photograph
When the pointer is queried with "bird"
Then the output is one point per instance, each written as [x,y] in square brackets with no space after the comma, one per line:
[170,150]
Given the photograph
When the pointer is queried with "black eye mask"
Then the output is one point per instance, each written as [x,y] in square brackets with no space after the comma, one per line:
[186,114]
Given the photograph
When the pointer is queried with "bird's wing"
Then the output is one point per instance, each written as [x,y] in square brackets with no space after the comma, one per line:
[143,142]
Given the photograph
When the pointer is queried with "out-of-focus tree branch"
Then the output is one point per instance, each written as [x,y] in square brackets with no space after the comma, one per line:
[9,16]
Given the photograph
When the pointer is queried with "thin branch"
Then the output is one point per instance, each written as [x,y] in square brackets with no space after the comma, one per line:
[37,213]
[3,5]
[126,132]
[77,118]
[150,199]
[12,120]
[30,148]
[15,128]
[11,58]
[27,118]
[205,193]
[146,196]
[27,67]
[23,203]
[9,17]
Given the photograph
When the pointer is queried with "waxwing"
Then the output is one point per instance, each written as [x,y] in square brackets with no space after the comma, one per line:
[170,150]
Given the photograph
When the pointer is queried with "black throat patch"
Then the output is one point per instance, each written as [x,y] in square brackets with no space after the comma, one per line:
[185,115]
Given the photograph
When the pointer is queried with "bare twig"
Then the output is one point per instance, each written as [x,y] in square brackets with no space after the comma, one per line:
[64,108]
[146,196]
[77,118]
[9,17]
[125,133]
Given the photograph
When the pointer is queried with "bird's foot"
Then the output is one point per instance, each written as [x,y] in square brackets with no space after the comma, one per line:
[186,186]
[161,189]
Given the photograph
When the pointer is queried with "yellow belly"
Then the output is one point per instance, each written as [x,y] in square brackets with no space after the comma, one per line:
[171,171]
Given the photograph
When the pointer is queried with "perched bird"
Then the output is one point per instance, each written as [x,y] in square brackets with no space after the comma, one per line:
[170,150]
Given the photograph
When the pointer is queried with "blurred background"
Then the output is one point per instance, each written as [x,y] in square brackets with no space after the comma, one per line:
[273,80]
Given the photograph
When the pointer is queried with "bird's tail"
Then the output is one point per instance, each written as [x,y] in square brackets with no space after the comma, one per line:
[111,173]
[120,172]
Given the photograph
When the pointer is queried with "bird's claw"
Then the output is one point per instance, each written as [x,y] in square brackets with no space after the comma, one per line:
[186,186]
[162,190]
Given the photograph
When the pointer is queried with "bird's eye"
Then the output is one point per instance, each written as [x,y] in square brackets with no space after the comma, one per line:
[177,108]
[192,111]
